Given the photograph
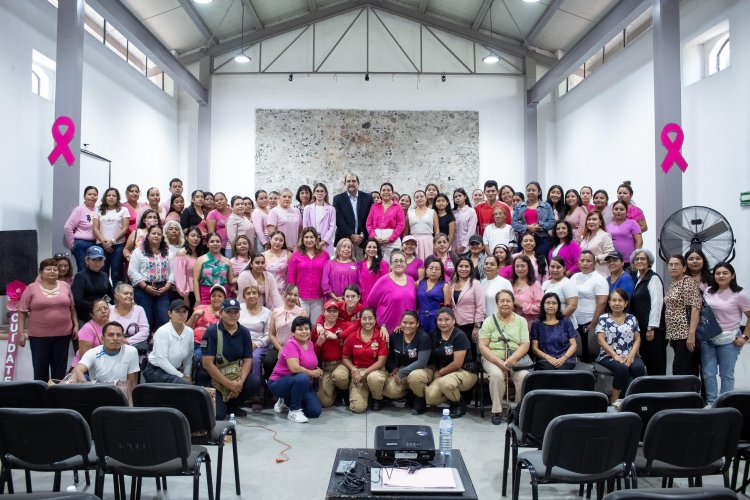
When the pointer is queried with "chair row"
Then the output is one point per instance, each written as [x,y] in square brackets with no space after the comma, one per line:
[192,402]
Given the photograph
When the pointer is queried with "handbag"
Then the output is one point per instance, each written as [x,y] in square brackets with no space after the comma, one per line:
[230,369]
[525,363]
[708,326]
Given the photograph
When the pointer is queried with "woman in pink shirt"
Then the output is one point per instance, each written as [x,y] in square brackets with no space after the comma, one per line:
[322,216]
[371,268]
[241,251]
[526,289]
[467,298]
[259,218]
[277,259]
[280,326]
[586,195]
[441,248]
[216,220]
[255,274]
[132,203]
[597,240]
[285,218]
[340,272]
[239,224]
[306,271]
[49,308]
[564,246]
[182,264]
[90,334]
[385,222]
[466,221]
[625,193]
[625,232]
[79,229]
[575,213]
[393,293]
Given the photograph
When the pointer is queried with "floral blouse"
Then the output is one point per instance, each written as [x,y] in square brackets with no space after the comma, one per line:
[620,337]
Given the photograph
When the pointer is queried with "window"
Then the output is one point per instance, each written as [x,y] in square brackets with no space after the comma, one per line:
[706,54]
[718,55]
[42,75]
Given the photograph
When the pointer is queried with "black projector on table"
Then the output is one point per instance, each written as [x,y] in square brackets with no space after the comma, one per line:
[404,442]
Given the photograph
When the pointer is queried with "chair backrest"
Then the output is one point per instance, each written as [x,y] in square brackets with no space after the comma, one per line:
[741,401]
[649,404]
[193,401]
[592,443]
[541,406]
[579,346]
[706,493]
[692,438]
[44,436]
[85,398]
[664,383]
[141,437]
[593,346]
[574,380]
[22,394]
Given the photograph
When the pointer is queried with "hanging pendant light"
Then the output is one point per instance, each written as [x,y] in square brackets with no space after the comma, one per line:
[491,58]
[242,58]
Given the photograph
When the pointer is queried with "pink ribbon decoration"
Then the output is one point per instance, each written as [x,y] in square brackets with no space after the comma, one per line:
[62,141]
[673,147]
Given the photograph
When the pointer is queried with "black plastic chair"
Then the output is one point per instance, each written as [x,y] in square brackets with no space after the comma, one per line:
[538,409]
[22,394]
[85,398]
[741,401]
[570,380]
[599,369]
[690,443]
[195,403]
[647,405]
[664,383]
[712,493]
[580,365]
[580,449]
[146,442]
[44,440]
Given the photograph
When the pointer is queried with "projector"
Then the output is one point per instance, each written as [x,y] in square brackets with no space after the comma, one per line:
[404,442]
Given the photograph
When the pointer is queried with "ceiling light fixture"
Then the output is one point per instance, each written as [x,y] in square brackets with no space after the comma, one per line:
[531,1]
[242,58]
[367,77]
[491,58]
[291,77]
[203,1]
[442,78]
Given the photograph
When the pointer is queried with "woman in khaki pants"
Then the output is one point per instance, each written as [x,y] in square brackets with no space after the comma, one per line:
[364,356]
[410,349]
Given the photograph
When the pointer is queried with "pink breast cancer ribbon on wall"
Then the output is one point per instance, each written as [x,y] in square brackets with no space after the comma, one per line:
[62,141]
[673,147]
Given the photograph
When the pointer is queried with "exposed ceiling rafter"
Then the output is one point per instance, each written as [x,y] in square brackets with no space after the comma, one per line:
[126,23]
[623,13]
[195,17]
[250,8]
[312,5]
[423,6]
[483,10]
[542,22]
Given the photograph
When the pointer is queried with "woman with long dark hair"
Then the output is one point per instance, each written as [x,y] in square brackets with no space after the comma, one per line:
[553,337]
[534,216]
[466,220]
[682,295]
[371,268]
[698,268]
[110,227]
[195,214]
[150,272]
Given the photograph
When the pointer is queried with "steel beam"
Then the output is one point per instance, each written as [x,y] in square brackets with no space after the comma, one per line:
[531,128]
[483,10]
[189,7]
[667,107]
[68,98]
[550,11]
[250,8]
[275,30]
[312,5]
[202,174]
[622,14]
[115,12]
[423,6]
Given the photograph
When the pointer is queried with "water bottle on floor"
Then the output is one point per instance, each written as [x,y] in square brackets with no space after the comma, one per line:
[446,434]
[233,423]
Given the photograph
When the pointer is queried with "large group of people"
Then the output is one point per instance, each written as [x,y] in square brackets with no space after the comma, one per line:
[375,296]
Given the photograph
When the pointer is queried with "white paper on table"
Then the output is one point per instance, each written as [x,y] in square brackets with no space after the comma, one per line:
[428,477]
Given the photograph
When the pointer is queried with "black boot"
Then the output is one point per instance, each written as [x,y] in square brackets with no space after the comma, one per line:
[458,409]
[420,406]
[342,398]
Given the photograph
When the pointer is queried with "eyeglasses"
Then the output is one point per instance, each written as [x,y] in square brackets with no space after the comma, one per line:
[61,255]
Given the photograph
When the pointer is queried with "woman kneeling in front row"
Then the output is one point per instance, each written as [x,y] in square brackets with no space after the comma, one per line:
[445,379]
[364,355]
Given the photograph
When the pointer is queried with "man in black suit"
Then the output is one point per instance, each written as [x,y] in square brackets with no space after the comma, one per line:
[352,208]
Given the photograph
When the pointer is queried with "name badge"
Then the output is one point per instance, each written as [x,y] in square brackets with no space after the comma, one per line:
[448,350]
[374,346]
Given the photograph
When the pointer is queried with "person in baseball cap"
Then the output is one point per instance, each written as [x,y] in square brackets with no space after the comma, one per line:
[95,252]
[171,360]
[619,277]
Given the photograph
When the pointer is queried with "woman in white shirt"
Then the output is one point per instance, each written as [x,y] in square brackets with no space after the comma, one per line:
[564,288]
[171,360]
[423,222]
[593,291]
[110,226]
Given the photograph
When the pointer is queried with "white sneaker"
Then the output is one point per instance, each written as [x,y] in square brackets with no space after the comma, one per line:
[297,416]
[279,407]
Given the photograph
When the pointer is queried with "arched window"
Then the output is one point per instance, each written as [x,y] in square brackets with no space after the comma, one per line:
[718,56]
[35,82]
[40,81]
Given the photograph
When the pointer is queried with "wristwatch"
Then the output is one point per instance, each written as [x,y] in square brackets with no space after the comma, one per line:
[746,338]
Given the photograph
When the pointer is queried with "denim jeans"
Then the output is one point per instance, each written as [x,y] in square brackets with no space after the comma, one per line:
[113,263]
[721,358]
[79,253]
[155,307]
[297,391]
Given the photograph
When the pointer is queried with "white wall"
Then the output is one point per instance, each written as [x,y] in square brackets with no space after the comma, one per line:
[499,101]
[124,118]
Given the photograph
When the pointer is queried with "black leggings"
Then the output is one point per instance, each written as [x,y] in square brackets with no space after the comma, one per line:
[685,362]
[49,356]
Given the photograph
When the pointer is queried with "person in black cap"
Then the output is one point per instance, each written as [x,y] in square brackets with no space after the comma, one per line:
[618,278]
[227,357]
[477,255]
[90,284]
[171,359]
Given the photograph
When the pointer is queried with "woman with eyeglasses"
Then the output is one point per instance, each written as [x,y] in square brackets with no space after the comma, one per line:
[90,334]
[393,293]
[683,305]
[131,316]
[79,229]
[64,267]
[48,306]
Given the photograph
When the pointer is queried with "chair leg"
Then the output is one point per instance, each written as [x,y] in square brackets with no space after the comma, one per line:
[691,482]
[580,490]
[9,480]
[670,482]
[164,483]
[236,467]
[116,486]
[209,479]
[516,484]
[133,480]
[664,482]
[88,478]
[534,487]
[99,483]
[699,480]
[220,464]
[75,476]
[506,456]
[599,490]
[744,477]
[122,487]
[138,485]
[589,487]
[158,483]
[735,471]
[56,481]
[27,475]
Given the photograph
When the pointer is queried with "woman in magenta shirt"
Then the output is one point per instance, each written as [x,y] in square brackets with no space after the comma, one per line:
[625,193]
[306,271]
[625,233]
[216,220]
[340,272]
[371,268]
[291,380]
[564,246]
[385,222]
[393,293]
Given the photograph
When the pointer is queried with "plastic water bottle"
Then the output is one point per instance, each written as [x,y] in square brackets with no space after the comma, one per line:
[233,423]
[446,433]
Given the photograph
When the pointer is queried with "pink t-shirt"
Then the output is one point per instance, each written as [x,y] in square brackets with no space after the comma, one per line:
[288,221]
[48,316]
[90,332]
[635,213]
[79,225]
[221,225]
[391,300]
[622,236]
[292,349]
[367,278]
[728,307]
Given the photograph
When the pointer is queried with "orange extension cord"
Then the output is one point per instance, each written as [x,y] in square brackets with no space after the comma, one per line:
[283,457]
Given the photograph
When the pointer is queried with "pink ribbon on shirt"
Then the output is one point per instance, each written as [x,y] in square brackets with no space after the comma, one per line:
[62,141]
[673,147]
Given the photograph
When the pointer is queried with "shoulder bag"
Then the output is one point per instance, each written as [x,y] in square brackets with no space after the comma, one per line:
[230,369]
